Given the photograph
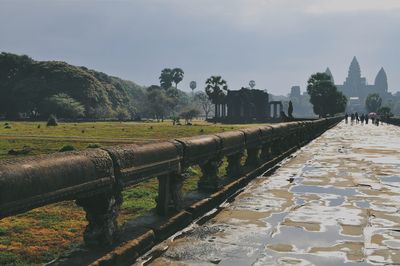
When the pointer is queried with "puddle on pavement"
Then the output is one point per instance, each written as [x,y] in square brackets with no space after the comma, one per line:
[324,190]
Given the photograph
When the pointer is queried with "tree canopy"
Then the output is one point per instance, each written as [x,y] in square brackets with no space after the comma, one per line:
[324,96]
[25,83]
[169,76]
[62,105]
[216,89]
[373,102]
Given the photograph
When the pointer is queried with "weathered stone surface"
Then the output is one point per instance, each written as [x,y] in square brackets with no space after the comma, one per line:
[200,149]
[126,253]
[101,214]
[174,224]
[209,180]
[134,163]
[31,182]
[252,137]
[232,142]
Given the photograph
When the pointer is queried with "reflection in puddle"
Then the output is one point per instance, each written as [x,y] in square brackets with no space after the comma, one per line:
[363,204]
[324,190]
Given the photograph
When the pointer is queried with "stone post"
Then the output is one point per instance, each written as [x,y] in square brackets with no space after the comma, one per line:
[170,195]
[101,213]
[209,180]
[234,168]
[266,152]
[164,194]
[253,157]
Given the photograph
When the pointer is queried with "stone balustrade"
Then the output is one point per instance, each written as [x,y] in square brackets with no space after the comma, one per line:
[96,177]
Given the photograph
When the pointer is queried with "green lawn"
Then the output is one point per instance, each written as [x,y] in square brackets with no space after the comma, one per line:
[42,234]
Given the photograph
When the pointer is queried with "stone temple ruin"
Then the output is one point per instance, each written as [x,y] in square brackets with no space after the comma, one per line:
[247,106]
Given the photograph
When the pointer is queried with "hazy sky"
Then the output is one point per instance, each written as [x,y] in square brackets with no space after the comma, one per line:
[278,43]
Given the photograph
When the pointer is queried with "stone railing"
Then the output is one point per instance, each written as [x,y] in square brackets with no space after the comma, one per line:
[392,120]
[96,177]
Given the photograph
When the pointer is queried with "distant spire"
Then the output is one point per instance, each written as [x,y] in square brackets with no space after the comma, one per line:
[329,73]
[381,81]
[354,70]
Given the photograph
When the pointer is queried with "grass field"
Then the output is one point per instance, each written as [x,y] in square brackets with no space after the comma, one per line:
[42,234]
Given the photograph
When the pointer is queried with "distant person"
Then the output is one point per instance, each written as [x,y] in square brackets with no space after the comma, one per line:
[373,120]
[346,118]
[362,119]
[377,121]
[366,119]
[352,118]
[357,118]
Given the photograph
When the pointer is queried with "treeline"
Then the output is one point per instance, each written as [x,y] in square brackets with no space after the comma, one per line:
[34,90]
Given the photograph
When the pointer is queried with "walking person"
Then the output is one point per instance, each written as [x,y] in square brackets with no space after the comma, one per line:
[366,119]
[352,118]
[362,119]
[357,118]
[346,117]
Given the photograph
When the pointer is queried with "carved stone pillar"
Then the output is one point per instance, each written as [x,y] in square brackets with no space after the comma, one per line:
[176,190]
[266,152]
[253,157]
[164,194]
[209,180]
[234,169]
[101,213]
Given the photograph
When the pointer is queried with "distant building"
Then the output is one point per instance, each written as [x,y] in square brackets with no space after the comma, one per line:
[295,92]
[248,105]
[356,87]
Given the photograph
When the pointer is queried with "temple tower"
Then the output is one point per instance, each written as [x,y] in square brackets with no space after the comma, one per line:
[381,83]
[354,83]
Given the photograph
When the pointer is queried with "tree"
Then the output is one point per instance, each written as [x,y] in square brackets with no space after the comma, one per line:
[373,102]
[216,89]
[166,78]
[62,105]
[202,99]
[324,96]
[189,115]
[290,109]
[159,103]
[177,76]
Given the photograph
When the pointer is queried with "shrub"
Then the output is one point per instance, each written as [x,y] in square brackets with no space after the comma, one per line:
[52,121]
[67,147]
[7,127]
[94,146]
[189,115]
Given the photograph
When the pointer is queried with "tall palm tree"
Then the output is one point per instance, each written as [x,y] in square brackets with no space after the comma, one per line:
[216,89]
[177,76]
[166,78]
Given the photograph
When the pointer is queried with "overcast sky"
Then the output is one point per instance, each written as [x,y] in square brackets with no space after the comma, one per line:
[278,43]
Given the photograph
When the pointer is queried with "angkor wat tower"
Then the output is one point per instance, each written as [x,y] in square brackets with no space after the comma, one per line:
[357,86]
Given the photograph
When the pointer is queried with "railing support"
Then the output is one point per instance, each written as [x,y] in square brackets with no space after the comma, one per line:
[209,180]
[169,193]
[253,157]
[101,213]
[234,168]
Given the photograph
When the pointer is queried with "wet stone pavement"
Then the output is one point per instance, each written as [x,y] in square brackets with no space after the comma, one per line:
[337,201]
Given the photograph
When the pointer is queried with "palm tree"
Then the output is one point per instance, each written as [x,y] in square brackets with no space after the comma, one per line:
[216,89]
[166,78]
[177,76]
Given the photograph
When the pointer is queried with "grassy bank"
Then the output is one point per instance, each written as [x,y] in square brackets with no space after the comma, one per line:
[42,234]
